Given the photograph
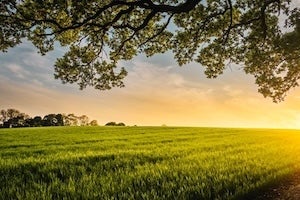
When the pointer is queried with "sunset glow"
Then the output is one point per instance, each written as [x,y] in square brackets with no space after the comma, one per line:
[157,92]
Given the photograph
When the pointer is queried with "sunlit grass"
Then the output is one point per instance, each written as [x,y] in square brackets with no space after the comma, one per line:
[143,162]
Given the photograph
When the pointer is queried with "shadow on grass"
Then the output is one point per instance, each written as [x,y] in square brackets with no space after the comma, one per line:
[274,189]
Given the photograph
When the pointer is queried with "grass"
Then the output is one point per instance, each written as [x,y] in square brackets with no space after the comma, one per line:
[144,162]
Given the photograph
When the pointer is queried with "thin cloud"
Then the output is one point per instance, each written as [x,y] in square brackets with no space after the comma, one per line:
[156,93]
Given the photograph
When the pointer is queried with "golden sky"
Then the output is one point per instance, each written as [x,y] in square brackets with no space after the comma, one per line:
[157,92]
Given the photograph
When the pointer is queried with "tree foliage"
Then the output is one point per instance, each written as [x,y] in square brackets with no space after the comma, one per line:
[53,120]
[115,124]
[70,120]
[83,120]
[111,124]
[93,123]
[14,118]
[213,33]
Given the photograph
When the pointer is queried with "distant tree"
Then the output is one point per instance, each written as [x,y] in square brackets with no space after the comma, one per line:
[8,114]
[29,122]
[73,119]
[13,118]
[37,121]
[111,124]
[12,113]
[83,120]
[50,120]
[3,116]
[121,124]
[15,122]
[24,116]
[94,123]
[18,121]
[114,124]
[70,120]
[66,120]
[60,120]
[7,124]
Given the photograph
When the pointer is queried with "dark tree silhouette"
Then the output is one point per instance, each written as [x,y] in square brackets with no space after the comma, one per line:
[111,124]
[114,124]
[37,121]
[120,124]
[50,120]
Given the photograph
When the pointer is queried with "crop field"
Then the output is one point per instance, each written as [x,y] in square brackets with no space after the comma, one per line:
[144,162]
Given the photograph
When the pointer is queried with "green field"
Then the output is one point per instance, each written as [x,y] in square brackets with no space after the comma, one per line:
[144,162]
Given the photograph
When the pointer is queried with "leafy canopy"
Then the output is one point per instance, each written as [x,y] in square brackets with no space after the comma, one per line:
[213,33]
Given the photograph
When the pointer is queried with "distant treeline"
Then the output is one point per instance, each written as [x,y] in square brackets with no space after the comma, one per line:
[12,118]
[114,124]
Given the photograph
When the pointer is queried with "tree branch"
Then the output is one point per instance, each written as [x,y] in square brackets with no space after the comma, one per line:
[159,32]
[227,32]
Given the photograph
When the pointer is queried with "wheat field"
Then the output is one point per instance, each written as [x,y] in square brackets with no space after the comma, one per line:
[144,162]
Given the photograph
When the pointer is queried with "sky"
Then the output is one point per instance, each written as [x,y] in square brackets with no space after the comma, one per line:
[157,91]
